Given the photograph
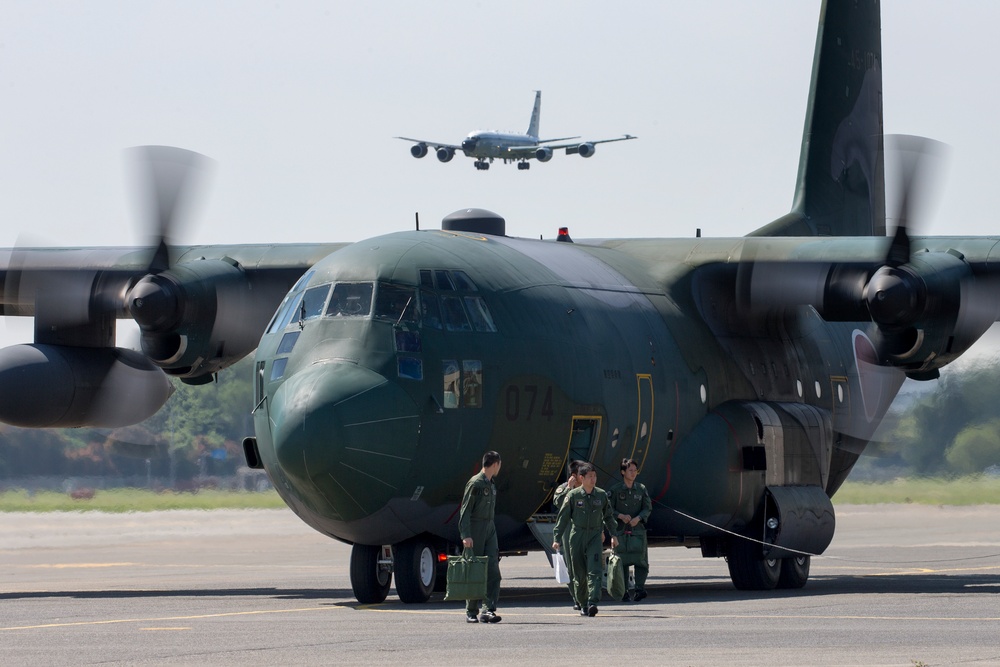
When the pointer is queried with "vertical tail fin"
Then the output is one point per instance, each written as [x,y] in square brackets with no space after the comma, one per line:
[536,112]
[841,181]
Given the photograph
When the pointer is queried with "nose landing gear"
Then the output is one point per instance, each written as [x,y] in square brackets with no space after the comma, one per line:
[416,563]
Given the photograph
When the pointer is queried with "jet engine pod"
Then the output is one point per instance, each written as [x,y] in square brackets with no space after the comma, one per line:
[586,150]
[476,221]
[418,150]
[445,154]
[543,154]
[50,386]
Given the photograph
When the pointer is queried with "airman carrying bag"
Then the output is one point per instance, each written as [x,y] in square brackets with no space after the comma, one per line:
[466,576]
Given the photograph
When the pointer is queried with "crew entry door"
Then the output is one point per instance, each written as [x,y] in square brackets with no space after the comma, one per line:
[644,420]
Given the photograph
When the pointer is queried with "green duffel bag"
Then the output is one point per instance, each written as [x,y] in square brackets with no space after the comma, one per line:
[467,576]
[616,577]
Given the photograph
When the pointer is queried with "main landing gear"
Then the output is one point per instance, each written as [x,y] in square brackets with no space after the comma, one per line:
[750,570]
[417,564]
[524,164]
[481,165]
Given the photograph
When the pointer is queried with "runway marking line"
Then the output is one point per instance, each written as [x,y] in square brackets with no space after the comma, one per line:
[63,566]
[456,612]
[114,621]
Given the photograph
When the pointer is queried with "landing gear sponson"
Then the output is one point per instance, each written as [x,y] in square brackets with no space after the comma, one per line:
[419,565]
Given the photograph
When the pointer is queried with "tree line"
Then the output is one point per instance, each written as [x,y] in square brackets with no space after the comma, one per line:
[954,429]
[197,434]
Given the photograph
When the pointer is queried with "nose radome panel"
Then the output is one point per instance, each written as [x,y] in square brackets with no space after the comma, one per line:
[345,436]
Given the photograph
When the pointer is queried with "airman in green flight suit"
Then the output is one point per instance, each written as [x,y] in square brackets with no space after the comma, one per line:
[583,515]
[574,480]
[478,532]
[631,507]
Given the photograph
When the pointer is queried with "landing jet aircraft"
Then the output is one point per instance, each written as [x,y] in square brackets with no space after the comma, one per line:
[488,145]
[746,375]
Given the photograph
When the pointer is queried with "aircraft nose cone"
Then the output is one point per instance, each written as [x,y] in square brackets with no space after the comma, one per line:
[345,436]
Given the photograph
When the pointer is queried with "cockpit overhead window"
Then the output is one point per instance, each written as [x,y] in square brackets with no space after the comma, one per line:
[443,281]
[426,279]
[455,318]
[350,300]
[396,303]
[312,302]
[463,281]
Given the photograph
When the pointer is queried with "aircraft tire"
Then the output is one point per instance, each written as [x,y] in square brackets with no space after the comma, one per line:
[369,582]
[748,570]
[416,570]
[794,572]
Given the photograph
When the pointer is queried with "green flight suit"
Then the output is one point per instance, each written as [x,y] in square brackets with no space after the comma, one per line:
[579,523]
[475,520]
[633,547]
[557,501]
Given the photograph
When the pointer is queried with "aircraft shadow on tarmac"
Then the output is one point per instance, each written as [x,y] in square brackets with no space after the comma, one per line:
[674,590]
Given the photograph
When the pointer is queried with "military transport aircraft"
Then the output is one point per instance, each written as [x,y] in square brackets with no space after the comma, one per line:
[488,145]
[745,374]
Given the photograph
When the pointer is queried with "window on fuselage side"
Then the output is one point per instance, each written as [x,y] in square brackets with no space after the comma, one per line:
[350,300]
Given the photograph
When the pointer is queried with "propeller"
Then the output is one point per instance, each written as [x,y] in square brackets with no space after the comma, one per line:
[76,296]
[926,307]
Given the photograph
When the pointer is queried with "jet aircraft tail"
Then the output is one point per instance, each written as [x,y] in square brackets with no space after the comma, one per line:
[840,189]
[536,113]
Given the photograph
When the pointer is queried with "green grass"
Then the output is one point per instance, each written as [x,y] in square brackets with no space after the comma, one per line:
[974,490]
[137,500]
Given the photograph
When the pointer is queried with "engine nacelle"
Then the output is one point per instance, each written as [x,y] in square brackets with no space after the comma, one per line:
[543,154]
[199,317]
[56,386]
[445,154]
[418,150]
[586,150]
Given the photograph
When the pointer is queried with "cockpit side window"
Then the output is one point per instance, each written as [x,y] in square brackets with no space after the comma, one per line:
[480,315]
[396,303]
[291,312]
[312,302]
[430,310]
[454,314]
[280,321]
[350,300]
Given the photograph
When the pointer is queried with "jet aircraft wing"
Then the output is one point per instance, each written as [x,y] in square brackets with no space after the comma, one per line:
[435,144]
[571,147]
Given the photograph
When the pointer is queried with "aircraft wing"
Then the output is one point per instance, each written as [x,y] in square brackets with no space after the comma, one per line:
[435,144]
[584,148]
[201,310]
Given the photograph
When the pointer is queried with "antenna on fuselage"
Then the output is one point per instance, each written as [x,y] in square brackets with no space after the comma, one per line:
[416,216]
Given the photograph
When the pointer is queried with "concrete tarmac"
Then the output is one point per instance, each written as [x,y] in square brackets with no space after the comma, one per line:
[900,585]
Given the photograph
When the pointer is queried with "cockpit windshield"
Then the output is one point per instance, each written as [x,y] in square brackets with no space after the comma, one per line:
[396,303]
[351,300]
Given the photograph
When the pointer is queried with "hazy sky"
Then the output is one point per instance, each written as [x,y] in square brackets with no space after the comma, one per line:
[298,104]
